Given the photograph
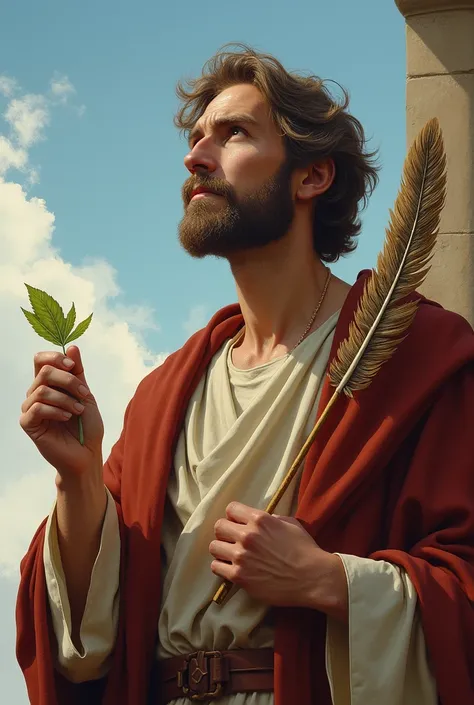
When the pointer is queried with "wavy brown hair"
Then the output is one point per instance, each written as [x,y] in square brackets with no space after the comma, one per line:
[314,125]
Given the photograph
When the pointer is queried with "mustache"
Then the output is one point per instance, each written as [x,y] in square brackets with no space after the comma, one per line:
[214,184]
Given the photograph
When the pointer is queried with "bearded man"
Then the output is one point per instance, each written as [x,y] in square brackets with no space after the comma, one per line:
[360,588]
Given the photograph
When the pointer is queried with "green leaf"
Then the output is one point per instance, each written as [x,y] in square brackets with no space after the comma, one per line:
[80,329]
[48,312]
[39,328]
[70,321]
[48,319]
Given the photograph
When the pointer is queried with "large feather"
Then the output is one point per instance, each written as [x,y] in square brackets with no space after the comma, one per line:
[382,318]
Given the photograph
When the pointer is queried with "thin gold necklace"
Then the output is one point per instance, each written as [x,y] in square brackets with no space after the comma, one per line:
[310,322]
[316,310]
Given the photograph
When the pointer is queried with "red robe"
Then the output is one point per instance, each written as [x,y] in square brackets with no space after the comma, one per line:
[391,476]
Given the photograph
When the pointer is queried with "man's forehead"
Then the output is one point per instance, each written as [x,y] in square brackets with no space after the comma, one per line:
[239,100]
[240,94]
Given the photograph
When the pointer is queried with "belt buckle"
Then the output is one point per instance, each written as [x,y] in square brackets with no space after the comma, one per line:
[194,678]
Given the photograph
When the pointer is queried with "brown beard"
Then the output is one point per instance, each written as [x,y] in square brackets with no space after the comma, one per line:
[224,225]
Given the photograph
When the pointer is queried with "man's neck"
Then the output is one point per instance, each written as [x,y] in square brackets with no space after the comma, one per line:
[278,289]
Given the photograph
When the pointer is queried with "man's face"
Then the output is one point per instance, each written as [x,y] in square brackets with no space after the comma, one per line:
[239,193]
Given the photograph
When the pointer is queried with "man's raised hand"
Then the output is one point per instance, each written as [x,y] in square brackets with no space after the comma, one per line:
[59,393]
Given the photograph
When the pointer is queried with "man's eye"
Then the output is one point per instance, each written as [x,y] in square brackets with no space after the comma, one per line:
[236,130]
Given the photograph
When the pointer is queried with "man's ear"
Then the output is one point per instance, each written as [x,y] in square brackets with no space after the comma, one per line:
[316,179]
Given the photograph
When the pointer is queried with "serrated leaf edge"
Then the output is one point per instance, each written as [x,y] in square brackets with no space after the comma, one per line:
[47,296]
[52,338]
[69,326]
[75,334]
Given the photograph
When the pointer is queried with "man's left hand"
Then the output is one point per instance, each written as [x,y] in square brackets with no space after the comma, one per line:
[277,562]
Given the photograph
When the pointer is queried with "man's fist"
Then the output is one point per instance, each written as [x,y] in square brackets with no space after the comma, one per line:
[277,562]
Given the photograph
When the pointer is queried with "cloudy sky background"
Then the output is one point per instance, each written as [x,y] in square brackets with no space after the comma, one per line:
[90,176]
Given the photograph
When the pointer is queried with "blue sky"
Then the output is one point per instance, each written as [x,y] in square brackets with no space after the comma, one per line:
[113,176]
[110,167]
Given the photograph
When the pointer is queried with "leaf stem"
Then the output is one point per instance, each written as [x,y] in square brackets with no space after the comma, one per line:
[79,420]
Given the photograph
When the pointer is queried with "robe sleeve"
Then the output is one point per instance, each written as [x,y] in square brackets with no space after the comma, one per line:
[380,655]
[433,522]
[99,623]
[36,642]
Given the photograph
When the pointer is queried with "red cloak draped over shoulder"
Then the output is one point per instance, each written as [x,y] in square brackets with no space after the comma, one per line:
[391,476]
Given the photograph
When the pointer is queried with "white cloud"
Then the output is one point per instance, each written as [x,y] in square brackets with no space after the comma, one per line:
[8,86]
[196,320]
[114,352]
[33,177]
[61,88]
[115,356]
[28,116]
[11,156]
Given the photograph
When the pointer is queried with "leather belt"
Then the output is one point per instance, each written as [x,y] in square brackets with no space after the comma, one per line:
[208,675]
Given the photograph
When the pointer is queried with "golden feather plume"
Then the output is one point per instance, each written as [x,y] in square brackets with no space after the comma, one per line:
[380,322]
[382,318]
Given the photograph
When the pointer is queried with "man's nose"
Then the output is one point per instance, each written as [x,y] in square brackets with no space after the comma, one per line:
[200,160]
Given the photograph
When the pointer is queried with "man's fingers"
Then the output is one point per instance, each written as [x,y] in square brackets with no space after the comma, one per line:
[242,514]
[226,530]
[50,376]
[52,358]
[53,397]
[225,571]
[71,362]
[38,413]
[223,551]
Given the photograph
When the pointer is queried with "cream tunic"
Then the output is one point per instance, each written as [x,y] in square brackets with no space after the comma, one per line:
[242,430]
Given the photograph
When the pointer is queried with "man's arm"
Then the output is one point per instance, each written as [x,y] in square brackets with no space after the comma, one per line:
[80,510]
[85,657]
[43,595]
[56,400]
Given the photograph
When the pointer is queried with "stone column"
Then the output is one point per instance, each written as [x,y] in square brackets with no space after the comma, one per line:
[440,83]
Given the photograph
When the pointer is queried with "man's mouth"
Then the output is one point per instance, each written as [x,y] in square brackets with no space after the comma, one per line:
[202,191]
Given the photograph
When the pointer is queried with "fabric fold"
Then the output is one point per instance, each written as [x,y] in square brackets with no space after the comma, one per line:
[99,623]
[380,655]
[381,481]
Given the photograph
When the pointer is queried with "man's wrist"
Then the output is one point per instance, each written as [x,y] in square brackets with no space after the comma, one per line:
[328,592]
[81,501]
[81,483]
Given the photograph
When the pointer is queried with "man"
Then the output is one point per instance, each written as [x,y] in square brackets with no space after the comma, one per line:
[369,561]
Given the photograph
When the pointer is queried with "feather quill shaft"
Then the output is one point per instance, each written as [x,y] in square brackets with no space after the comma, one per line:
[384,314]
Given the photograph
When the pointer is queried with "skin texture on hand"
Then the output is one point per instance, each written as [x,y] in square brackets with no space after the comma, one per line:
[277,562]
[58,394]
